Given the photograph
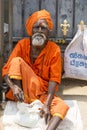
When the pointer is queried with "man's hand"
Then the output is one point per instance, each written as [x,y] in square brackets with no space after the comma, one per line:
[45,112]
[18,93]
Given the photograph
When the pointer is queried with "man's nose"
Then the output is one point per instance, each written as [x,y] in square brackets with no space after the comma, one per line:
[39,29]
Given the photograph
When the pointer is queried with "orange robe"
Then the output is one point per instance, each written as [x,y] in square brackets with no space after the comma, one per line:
[35,77]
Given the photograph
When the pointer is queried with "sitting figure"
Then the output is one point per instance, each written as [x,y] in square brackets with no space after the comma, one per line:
[33,70]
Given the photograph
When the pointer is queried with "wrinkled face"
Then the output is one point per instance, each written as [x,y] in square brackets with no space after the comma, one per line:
[40,33]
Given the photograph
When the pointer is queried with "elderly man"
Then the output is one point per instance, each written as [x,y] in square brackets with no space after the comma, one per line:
[33,70]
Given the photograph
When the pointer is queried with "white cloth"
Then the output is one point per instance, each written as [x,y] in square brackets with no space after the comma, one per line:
[72,121]
[28,115]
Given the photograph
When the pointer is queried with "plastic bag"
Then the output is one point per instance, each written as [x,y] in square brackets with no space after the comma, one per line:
[75,56]
[28,114]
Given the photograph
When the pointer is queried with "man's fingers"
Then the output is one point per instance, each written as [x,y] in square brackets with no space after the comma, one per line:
[41,113]
[19,97]
[47,118]
[22,95]
[16,97]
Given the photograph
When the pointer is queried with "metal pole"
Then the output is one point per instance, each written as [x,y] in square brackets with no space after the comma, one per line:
[1,37]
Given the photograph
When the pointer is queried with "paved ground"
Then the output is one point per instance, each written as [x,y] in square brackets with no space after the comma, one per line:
[74,90]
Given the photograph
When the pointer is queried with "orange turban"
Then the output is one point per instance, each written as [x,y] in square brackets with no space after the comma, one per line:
[42,14]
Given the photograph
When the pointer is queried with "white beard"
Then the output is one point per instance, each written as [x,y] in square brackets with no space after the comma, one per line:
[38,39]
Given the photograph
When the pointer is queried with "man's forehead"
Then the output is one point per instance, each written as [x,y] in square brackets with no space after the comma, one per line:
[41,22]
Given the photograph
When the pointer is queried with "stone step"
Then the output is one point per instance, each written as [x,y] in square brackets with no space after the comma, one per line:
[73,87]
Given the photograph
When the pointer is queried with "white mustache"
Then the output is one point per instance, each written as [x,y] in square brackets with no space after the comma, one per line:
[39,36]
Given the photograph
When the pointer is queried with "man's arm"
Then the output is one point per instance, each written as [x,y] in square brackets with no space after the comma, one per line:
[51,92]
[17,91]
[45,109]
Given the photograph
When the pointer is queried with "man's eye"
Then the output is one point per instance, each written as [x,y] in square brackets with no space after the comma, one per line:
[36,27]
[43,28]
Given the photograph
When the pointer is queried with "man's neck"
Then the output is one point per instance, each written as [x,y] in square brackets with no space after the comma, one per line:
[35,51]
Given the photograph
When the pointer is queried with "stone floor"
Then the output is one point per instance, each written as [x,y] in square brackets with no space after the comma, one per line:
[71,89]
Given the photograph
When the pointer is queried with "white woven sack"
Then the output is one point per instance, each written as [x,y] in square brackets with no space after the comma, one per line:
[75,56]
[28,114]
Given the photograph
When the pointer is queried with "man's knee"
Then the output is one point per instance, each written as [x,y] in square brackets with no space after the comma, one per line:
[16,59]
